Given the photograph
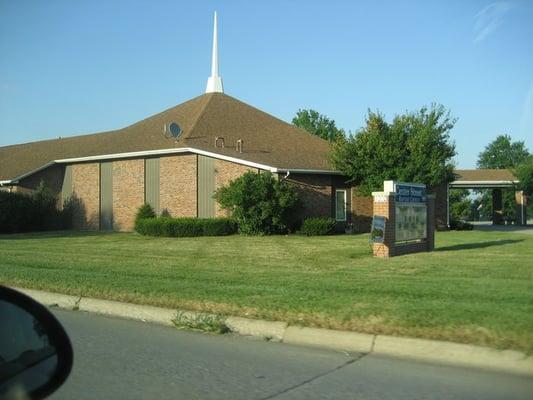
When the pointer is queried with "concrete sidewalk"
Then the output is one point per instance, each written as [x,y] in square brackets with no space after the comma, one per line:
[409,348]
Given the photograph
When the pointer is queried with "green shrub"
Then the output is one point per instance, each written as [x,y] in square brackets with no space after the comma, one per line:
[145,211]
[185,227]
[260,203]
[318,226]
[458,225]
[30,212]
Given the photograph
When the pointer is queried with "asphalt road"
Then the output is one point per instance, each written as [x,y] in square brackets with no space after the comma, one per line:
[122,359]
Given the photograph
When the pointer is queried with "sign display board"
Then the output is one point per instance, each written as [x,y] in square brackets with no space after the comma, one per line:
[377,233]
[410,222]
[411,212]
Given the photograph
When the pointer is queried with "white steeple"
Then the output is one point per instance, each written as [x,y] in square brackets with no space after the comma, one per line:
[214,82]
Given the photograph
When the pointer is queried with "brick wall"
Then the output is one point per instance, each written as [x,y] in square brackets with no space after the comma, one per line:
[316,194]
[225,172]
[178,190]
[86,192]
[128,192]
[362,211]
[52,178]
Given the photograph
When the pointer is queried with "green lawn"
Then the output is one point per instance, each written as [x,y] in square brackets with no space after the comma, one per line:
[477,287]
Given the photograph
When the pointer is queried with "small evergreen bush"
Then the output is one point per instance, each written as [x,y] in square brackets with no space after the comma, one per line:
[144,212]
[318,226]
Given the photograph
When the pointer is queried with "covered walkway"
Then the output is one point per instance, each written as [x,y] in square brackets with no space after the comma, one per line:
[496,180]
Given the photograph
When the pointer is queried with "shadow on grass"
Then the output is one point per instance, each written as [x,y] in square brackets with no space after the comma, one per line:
[479,245]
[52,235]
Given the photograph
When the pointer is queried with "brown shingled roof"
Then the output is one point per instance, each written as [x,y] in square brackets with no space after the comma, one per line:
[266,139]
[484,175]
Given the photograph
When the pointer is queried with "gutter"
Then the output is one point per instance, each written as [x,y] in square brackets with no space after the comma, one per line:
[286,176]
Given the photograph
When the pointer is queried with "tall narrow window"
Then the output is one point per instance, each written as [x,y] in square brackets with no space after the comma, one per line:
[340,205]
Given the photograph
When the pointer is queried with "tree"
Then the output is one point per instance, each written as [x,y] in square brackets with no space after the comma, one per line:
[145,211]
[259,203]
[460,205]
[317,124]
[502,153]
[415,147]
[524,173]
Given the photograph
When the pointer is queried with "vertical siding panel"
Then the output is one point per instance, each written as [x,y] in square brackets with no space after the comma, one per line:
[66,187]
[206,187]
[106,195]
[151,184]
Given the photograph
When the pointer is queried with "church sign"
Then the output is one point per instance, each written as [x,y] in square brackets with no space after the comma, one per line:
[410,193]
[403,219]
[411,210]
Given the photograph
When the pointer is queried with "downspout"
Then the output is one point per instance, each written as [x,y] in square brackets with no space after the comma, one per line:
[286,175]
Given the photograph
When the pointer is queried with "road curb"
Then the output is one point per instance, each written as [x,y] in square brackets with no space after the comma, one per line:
[327,338]
[270,330]
[450,353]
[151,314]
[431,351]
[52,299]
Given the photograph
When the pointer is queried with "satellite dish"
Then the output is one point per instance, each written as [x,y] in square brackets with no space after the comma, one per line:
[174,130]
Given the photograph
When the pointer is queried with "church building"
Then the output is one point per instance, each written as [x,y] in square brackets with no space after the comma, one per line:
[175,160]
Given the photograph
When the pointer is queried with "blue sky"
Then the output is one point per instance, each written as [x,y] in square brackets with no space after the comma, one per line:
[76,67]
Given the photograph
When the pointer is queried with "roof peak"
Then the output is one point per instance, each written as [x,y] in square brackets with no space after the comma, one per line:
[214,82]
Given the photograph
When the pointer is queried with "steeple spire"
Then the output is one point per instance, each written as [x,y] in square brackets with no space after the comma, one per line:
[214,82]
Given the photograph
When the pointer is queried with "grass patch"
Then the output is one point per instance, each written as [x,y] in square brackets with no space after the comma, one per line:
[477,287]
[201,322]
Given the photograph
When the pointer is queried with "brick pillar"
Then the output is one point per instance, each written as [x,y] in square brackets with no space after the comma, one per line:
[497,207]
[430,222]
[384,206]
[521,207]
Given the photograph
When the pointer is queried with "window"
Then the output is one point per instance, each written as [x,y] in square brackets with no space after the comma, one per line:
[340,205]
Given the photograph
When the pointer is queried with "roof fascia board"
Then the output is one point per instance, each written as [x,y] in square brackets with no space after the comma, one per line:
[309,171]
[482,184]
[164,152]
[174,151]
[201,152]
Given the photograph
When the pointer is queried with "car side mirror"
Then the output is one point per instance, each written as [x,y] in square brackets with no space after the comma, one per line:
[35,352]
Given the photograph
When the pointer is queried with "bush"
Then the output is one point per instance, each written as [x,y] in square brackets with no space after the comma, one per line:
[30,212]
[319,226]
[458,225]
[185,227]
[260,203]
[145,211]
